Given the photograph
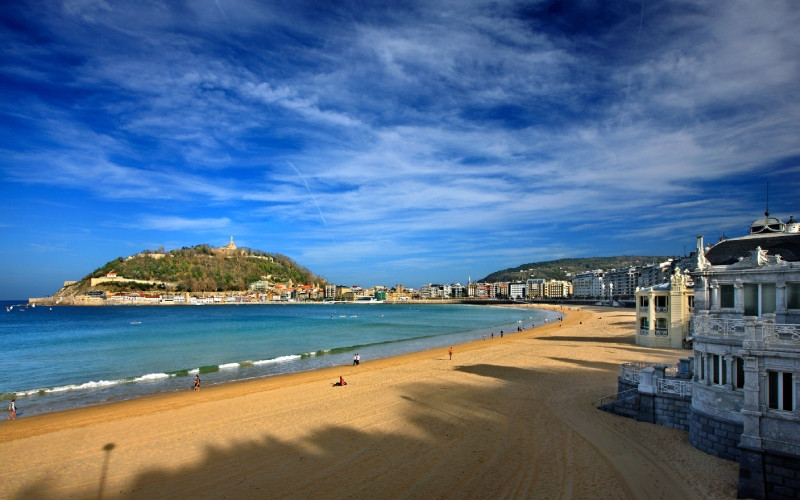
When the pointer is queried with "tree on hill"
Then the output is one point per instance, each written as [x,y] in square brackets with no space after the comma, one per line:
[565,269]
[202,269]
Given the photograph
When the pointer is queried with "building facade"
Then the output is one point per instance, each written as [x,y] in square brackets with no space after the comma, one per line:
[588,284]
[746,333]
[664,313]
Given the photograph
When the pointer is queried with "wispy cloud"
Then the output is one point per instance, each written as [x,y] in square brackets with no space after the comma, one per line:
[445,135]
[172,223]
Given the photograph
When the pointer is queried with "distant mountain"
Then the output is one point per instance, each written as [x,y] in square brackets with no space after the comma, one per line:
[201,268]
[565,269]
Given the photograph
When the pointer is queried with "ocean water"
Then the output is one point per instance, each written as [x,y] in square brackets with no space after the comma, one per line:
[58,358]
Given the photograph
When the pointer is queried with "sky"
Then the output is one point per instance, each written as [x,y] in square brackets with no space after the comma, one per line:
[383,143]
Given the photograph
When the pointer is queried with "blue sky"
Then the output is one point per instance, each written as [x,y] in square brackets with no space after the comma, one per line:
[389,142]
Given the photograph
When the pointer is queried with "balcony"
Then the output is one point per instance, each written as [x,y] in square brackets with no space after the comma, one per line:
[661,309]
[719,327]
[773,335]
[644,331]
[779,335]
[662,332]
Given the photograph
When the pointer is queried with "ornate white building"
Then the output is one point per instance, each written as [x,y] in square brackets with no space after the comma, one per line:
[746,382]
[664,312]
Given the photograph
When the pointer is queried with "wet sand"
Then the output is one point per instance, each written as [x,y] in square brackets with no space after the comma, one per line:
[510,417]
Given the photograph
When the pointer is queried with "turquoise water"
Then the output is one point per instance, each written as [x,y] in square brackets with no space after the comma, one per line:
[64,357]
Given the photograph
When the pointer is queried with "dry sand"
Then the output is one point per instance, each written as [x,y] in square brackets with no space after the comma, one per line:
[506,418]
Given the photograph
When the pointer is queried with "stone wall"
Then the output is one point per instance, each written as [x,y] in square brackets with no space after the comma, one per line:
[765,474]
[672,411]
[668,410]
[714,435]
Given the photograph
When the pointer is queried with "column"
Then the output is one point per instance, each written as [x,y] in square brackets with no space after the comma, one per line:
[780,302]
[728,360]
[646,380]
[738,296]
[714,306]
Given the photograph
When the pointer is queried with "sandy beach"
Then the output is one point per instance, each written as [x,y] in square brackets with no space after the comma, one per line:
[505,418]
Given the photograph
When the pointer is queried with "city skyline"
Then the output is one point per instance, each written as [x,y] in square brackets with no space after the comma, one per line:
[382,144]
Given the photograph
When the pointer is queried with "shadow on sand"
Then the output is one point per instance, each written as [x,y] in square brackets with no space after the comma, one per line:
[314,466]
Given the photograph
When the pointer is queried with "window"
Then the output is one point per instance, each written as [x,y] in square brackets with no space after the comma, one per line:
[739,362]
[661,303]
[726,296]
[644,302]
[793,295]
[780,391]
[759,298]
[690,302]
[645,323]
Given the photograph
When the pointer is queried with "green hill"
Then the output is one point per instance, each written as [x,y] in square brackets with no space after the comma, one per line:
[565,269]
[199,269]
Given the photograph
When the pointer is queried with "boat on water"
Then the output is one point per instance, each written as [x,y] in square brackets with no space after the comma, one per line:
[368,300]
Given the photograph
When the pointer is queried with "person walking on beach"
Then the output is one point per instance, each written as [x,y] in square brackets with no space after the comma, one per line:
[13,408]
[197,382]
[451,352]
[356,360]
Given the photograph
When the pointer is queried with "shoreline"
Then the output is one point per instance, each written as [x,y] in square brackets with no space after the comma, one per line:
[50,396]
[497,418]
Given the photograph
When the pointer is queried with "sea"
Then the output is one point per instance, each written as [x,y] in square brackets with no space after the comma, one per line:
[58,358]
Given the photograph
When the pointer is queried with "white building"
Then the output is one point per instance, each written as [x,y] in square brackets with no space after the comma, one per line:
[623,282]
[747,356]
[664,312]
[654,274]
[588,284]
[517,290]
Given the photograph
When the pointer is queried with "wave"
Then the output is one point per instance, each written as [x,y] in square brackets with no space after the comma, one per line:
[205,369]
[279,359]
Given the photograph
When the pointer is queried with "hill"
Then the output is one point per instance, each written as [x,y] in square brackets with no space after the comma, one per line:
[565,269]
[201,268]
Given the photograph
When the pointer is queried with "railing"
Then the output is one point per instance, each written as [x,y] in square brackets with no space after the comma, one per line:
[662,332]
[661,309]
[781,335]
[644,331]
[629,372]
[611,397]
[682,388]
[718,327]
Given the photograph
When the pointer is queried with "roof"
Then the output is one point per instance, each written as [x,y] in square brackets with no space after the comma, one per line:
[728,251]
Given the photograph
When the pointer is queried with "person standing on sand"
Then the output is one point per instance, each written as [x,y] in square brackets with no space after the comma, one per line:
[451,352]
[197,382]
[13,408]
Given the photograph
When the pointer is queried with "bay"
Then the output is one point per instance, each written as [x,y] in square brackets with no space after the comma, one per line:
[65,357]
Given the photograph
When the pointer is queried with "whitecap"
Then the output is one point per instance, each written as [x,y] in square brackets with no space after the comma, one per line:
[151,376]
[279,359]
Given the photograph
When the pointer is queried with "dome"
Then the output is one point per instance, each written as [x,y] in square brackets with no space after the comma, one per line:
[767,224]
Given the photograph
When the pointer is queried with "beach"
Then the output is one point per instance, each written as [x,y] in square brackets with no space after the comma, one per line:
[506,417]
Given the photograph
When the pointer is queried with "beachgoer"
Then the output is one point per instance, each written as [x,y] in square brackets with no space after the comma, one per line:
[341,382]
[197,382]
[355,359]
[451,352]
[358,359]
[13,408]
